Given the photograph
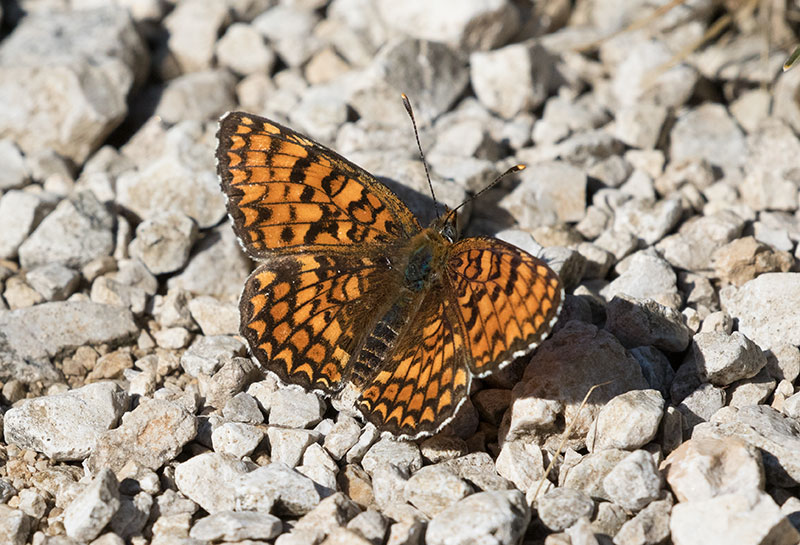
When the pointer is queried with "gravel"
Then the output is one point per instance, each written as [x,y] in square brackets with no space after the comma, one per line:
[663,190]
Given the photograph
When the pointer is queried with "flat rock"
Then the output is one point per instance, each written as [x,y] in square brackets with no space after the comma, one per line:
[646,323]
[30,337]
[66,426]
[151,435]
[236,526]
[723,359]
[548,193]
[20,213]
[746,518]
[177,176]
[467,26]
[628,421]
[503,514]
[512,79]
[79,230]
[68,75]
[634,482]
[87,515]
[775,434]
[766,308]
[432,489]
[560,373]
[163,241]
[209,480]
[291,492]
[217,267]
[706,467]
[562,507]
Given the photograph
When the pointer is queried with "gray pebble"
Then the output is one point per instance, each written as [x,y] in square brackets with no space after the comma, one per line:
[66,426]
[504,515]
[236,526]
[86,516]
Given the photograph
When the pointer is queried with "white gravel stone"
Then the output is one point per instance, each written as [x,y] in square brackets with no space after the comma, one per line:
[595,356]
[293,408]
[402,454]
[649,527]
[708,132]
[767,309]
[746,518]
[217,267]
[562,507]
[646,277]
[236,526]
[54,282]
[16,172]
[243,408]
[289,30]
[629,421]
[288,445]
[503,515]
[210,480]
[66,426]
[646,323]
[242,49]
[701,404]
[87,515]
[132,515]
[342,436]
[703,468]
[152,434]
[176,175]
[634,482]
[469,25]
[31,336]
[549,193]
[207,354]
[588,474]
[14,525]
[236,439]
[20,213]
[522,463]
[79,230]
[215,317]
[766,429]
[68,75]
[432,489]
[163,241]
[291,492]
[512,79]
[193,27]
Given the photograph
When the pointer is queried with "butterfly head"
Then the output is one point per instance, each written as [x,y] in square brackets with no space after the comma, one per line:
[447,224]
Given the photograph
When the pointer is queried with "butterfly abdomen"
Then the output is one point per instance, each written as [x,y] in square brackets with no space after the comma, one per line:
[380,341]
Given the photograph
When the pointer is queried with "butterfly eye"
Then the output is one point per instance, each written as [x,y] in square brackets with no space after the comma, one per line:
[449,232]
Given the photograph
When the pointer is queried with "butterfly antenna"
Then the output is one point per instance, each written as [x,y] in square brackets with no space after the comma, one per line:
[407,104]
[512,170]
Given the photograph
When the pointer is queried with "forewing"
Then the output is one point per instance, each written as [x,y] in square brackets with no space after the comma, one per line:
[303,314]
[508,300]
[425,379]
[288,192]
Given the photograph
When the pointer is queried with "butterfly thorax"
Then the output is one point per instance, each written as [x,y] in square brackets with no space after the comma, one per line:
[426,257]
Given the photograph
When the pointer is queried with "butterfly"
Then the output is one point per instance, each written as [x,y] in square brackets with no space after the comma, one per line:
[353,294]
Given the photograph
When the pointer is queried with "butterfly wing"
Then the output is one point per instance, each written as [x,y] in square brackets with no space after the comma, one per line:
[507,300]
[427,379]
[303,315]
[288,193]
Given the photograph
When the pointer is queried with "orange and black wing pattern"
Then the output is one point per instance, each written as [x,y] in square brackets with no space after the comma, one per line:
[303,315]
[428,378]
[287,193]
[507,300]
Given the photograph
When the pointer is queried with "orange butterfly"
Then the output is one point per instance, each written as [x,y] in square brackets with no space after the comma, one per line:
[352,291]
